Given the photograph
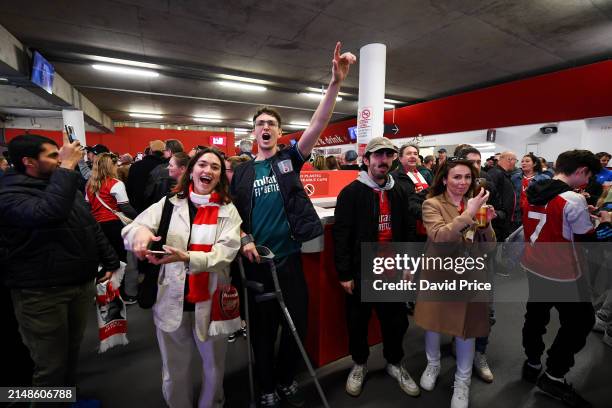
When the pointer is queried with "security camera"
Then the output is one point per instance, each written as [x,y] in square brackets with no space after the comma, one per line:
[547,130]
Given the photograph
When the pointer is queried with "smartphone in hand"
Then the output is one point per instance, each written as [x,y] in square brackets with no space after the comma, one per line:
[159,254]
[70,133]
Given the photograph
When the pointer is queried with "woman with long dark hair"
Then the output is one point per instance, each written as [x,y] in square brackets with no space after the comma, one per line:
[449,217]
[202,240]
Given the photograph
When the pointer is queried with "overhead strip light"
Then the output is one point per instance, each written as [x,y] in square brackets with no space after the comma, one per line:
[146,115]
[124,70]
[317,95]
[389,106]
[4,79]
[244,79]
[246,87]
[242,130]
[210,120]
[393,101]
[298,125]
[125,62]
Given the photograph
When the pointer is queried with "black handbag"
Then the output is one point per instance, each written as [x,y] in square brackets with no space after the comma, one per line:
[148,274]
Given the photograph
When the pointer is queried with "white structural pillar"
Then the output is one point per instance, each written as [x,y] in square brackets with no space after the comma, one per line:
[370,112]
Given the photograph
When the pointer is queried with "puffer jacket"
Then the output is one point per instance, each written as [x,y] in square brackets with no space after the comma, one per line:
[48,236]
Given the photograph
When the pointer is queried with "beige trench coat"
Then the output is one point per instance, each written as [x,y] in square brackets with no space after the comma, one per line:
[444,224]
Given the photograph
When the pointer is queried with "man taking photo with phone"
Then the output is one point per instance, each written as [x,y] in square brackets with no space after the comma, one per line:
[50,249]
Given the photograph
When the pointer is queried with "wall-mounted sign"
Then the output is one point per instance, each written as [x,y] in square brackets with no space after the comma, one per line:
[217,140]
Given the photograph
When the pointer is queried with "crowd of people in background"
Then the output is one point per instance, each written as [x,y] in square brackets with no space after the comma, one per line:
[62,213]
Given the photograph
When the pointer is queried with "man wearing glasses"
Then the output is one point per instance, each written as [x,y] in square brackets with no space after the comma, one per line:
[277,213]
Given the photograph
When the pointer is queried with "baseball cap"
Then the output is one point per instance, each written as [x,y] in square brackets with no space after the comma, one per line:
[350,155]
[441,150]
[97,149]
[380,143]
[157,146]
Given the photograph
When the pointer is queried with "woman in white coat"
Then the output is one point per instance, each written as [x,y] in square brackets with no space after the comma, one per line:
[196,264]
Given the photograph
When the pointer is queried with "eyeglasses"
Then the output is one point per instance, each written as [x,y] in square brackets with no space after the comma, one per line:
[262,123]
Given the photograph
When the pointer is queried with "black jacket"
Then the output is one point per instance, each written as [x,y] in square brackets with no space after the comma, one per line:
[504,200]
[158,185]
[48,236]
[304,222]
[356,221]
[137,180]
[415,200]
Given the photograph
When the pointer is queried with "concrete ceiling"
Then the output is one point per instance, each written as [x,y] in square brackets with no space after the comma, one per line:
[434,48]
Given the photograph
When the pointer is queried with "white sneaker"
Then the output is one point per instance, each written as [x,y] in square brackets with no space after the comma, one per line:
[600,325]
[461,394]
[607,338]
[429,377]
[482,367]
[354,382]
[404,380]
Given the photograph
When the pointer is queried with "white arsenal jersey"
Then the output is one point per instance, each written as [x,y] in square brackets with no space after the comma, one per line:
[556,222]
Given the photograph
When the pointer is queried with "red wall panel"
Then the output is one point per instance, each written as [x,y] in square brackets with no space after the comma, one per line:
[133,140]
[576,93]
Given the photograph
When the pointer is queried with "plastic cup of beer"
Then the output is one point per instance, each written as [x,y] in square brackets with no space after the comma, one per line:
[481,216]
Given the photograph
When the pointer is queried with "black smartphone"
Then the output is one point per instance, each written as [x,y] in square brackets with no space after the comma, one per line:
[70,133]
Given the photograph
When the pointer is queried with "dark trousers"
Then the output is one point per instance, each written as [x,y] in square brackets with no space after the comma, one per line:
[576,318]
[20,372]
[266,318]
[112,230]
[393,319]
[52,322]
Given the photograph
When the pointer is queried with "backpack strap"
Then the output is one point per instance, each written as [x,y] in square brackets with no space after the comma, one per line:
[164,224]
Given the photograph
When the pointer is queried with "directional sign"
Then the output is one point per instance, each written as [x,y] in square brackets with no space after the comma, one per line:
[391,128]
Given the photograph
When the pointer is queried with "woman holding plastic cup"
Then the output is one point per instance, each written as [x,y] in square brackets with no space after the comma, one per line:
[449,216]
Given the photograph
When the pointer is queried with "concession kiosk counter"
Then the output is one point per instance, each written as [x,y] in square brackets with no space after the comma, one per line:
[327,338]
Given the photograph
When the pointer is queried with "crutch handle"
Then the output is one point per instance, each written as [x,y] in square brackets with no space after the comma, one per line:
[254,286]
[265,297]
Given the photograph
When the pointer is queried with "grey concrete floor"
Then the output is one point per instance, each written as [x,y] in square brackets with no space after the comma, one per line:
[130,376]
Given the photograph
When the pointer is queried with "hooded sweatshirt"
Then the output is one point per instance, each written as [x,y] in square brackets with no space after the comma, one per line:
[384,216]
[555,214]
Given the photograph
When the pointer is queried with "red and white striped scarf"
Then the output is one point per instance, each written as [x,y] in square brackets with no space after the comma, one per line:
[225,307]
[203,233]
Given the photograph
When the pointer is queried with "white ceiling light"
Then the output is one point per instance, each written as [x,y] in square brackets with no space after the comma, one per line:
[393,101]
[484,145]
[246,87]
[125,62]
[145,115]
[4,79]
[241,130]
[125,70]
[244,79]
[210,120]
[298,125]
[389,106]
[317,95]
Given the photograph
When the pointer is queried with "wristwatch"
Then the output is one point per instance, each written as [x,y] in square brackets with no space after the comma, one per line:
[247,239]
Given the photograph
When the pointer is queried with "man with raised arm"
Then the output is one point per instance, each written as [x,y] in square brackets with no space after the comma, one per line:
[277,213]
